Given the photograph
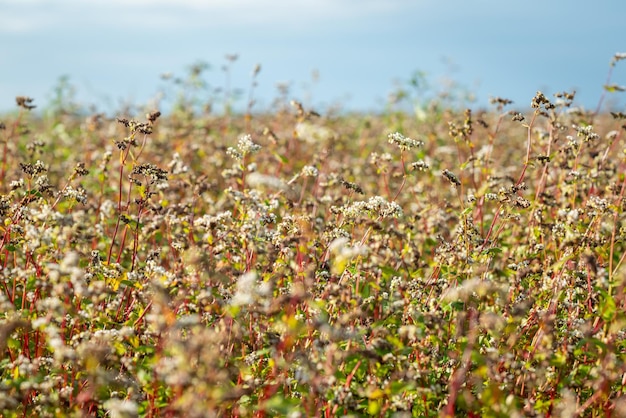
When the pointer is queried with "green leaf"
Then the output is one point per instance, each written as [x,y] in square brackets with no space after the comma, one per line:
[458,306]
[280,158]
[397,388]
[389,272]
[280,405]
[608,309]
[492,251]
[34,192]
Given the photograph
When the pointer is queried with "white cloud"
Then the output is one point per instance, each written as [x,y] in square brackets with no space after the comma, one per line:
[23,16]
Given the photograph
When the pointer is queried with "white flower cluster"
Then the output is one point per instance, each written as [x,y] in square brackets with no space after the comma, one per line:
[265,180]
[420,165]
[374,206]
[619,56]
[17,184]
[383,208]
[381,159]
[403,142]
[79,194]
[598,203]
[69,266]
[309,171]
[572,142]
[571,216]
[121,408]
[177,166]
[250,289]
[586,132]
[219,220]
[245,146]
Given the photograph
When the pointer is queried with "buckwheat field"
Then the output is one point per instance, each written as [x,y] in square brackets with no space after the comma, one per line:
[448,261]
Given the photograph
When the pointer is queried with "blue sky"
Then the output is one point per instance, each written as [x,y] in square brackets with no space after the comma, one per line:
[116,50]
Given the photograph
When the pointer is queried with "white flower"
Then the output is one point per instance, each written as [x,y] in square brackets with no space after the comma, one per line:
[259,180]
[177,166]
[121,408]
[309,171]
[247,289]
[420,165]
[572,216]
[313,134]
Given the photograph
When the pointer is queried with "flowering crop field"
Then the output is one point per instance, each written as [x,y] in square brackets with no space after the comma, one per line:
[459,263]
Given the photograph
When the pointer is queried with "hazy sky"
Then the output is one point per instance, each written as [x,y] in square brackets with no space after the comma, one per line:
[116,50]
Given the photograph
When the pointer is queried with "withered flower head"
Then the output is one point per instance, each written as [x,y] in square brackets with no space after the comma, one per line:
[500,101]
[153,116]
[452,178]
[124,122]
[80,169]
[25,102]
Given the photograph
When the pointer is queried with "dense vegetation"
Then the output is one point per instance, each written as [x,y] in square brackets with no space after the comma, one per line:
[453,263]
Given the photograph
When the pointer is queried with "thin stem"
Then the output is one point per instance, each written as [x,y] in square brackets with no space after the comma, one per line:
[528,149]
[123,156]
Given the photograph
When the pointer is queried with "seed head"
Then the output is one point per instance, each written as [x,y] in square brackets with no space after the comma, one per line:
[25,102]
[452,178]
